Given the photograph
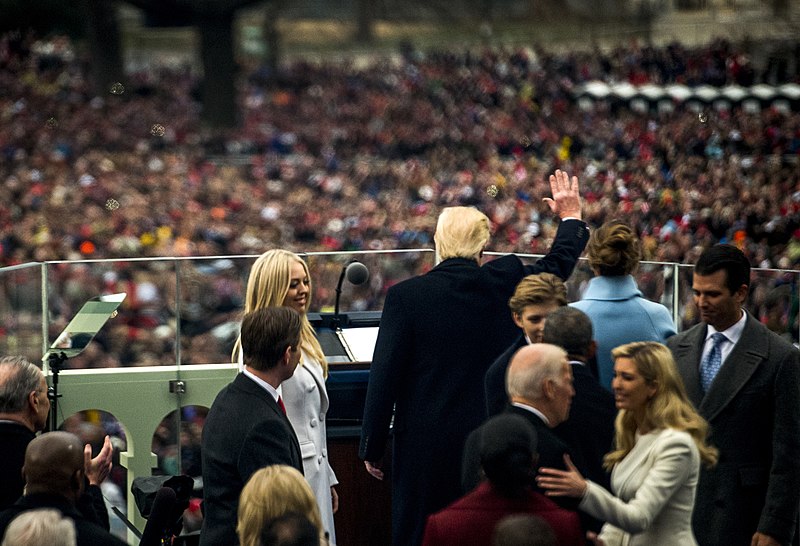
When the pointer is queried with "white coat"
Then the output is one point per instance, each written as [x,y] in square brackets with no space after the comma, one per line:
[306,401]
[655,488]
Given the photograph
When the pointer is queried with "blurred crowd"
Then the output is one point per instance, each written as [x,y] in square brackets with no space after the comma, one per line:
[362,154]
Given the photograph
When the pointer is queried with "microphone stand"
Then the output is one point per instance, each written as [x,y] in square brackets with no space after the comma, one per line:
[55,362]
[335,321]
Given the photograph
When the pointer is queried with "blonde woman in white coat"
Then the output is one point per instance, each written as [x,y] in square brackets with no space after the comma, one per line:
[660,444]
[280,277]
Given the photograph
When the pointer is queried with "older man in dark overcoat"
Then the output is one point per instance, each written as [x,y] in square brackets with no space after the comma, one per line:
[439,334]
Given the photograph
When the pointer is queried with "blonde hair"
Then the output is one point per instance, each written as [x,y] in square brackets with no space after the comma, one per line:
[45,527]
[614,249]
[267,286]
[537,289]
[461,232]
[272,492]
[669,407]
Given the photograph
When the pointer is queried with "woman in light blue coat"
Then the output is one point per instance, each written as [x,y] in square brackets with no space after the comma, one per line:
[613,301]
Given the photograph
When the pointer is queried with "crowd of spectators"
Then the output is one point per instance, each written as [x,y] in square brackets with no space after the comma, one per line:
[362,154]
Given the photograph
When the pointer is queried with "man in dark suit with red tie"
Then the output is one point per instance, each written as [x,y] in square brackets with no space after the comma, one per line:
[247,428]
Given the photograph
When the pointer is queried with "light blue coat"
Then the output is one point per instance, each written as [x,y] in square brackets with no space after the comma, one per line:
[620,314]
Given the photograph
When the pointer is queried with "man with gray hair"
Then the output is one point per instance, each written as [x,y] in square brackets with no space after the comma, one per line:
[539,386]
[24,405]
[23,412]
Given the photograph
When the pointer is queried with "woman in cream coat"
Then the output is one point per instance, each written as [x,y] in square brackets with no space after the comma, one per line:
[280,277]
[660,443]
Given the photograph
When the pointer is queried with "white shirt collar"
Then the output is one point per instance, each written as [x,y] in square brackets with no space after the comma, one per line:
[533,411]
[263,384]
[733,333]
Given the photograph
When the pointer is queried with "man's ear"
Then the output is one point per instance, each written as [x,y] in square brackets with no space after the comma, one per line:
[76,481]
[287,355]
[517,319]
[548,388]
[741,294]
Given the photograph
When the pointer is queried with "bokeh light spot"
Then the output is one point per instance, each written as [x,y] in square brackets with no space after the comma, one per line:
[157,129]
[702,117]
[117,88]
[492,190]
[52,123]
[112,204]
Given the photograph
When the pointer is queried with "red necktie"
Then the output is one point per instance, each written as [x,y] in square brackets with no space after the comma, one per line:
[280,403]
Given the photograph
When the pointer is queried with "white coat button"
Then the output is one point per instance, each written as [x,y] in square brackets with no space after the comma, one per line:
[313,422]
[324,452]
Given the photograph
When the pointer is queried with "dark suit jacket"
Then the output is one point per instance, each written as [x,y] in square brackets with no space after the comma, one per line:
[753,408]
[14,439]
[589,431]
[471,520]
[494,383]
[439,333]
[245,431]
[86,532]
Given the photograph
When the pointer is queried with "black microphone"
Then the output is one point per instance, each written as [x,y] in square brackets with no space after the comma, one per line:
[162,518]
[356,273]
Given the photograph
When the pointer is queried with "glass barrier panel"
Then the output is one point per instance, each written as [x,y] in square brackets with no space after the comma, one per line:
[141,332]
[211,294]
[385,270]
[21,311]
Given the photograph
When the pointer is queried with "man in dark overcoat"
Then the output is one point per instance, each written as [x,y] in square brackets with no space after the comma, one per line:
[439,334]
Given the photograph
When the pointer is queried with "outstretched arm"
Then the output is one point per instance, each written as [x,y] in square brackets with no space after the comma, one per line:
[566,200]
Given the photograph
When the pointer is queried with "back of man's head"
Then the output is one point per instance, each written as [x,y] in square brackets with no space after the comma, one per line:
[18,378]
[507,445]
[267,333]
[290,529]
[537,289]
[45,527]
[523,530]
[54,464]
[530,367]
[726,258]
[461,232]
[570,329]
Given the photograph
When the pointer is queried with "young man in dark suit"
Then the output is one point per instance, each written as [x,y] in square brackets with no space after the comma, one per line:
[246,428]
[745,380]
[439,333]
